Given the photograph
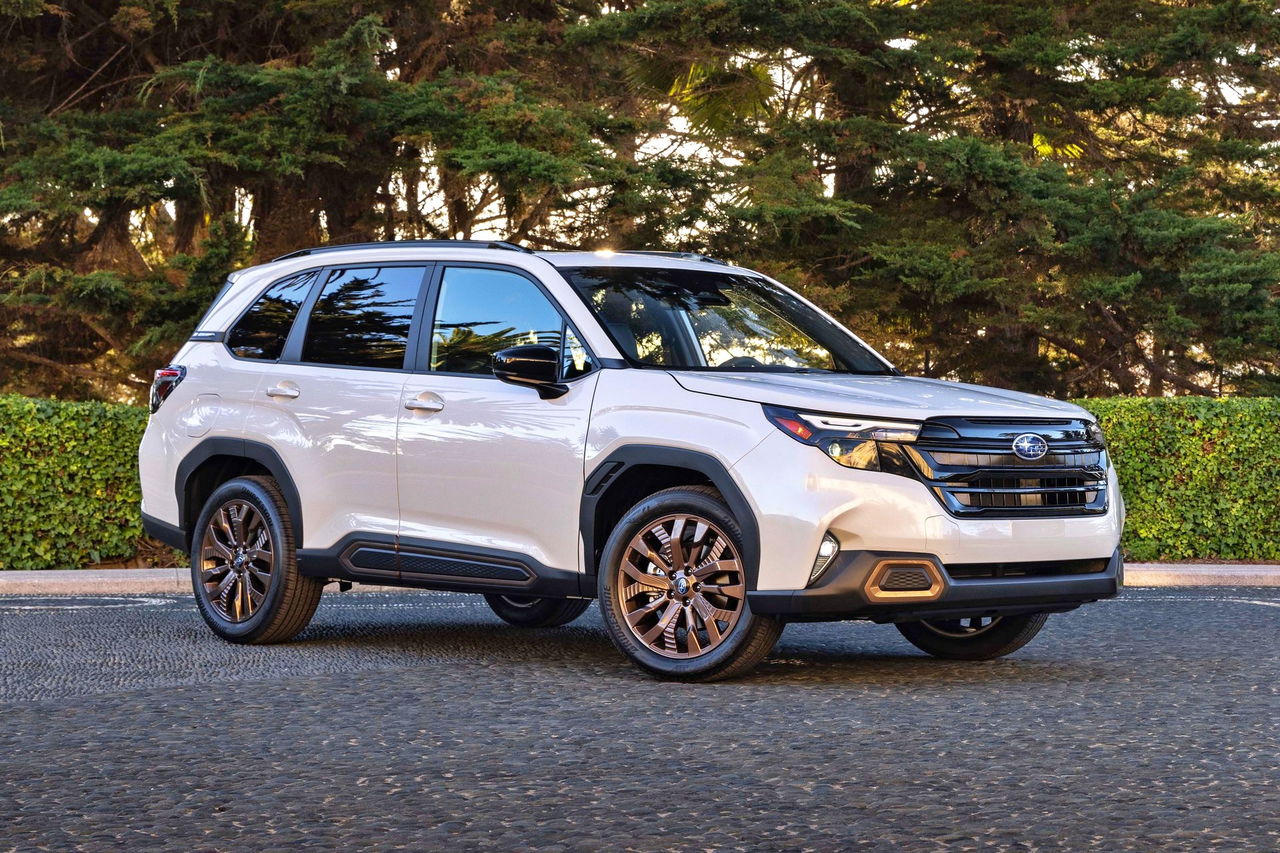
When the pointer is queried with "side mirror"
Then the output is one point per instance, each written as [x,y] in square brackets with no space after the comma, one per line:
[534,365]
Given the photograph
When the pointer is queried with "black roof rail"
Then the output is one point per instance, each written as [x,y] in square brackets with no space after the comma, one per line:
[686,256]
[437,244]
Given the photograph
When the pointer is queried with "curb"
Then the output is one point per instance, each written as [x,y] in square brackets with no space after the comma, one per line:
[178,581]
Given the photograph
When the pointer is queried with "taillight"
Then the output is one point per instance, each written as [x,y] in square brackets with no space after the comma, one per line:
[167,378]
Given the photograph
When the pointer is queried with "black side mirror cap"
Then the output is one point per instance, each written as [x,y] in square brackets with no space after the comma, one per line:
[534,365]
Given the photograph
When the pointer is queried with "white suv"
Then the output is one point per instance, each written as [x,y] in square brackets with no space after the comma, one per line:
[695,445]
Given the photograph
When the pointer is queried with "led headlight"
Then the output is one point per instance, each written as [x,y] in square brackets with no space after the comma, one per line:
[1094,432]
[851,441]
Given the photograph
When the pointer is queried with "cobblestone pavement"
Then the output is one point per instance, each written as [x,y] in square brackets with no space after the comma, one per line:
[420,721]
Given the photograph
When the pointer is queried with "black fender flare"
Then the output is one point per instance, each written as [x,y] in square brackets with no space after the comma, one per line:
[241,448]
[608,469]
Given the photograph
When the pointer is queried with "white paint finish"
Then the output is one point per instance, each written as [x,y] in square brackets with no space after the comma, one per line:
[200,417]
[649,407]
[338,440]
[211,372]
[496,467]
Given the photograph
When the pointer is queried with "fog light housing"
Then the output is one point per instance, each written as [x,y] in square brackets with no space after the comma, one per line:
[826,555]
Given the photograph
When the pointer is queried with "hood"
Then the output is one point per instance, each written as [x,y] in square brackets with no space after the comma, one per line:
[907,397]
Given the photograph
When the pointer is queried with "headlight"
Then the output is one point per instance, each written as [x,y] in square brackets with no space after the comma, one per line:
[1094,432]
[854,442]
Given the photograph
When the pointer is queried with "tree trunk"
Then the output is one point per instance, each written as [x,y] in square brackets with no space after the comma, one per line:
[284,220]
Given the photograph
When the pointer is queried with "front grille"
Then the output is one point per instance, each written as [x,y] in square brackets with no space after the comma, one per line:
[970,466]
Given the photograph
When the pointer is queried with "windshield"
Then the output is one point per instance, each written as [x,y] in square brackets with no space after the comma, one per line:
[695,319]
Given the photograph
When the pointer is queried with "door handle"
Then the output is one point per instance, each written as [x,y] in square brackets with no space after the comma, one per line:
[283,391]
[415,404]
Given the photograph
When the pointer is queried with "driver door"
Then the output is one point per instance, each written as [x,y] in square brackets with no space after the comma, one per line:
[487,468]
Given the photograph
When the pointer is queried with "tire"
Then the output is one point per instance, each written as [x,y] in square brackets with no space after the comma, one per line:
[636,580]
[264,599]
[973,639]
[526,612]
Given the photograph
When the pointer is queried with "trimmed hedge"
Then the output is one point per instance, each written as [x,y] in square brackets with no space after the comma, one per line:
[68,482]
[1201,478]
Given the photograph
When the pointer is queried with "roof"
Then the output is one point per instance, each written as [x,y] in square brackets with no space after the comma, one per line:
[626,257]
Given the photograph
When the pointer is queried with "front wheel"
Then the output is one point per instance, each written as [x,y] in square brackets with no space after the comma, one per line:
[525,611]
[973,638]
[673,589]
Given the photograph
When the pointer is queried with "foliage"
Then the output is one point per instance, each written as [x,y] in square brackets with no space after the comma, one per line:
[1199,477]
[69,490]
[1079,198]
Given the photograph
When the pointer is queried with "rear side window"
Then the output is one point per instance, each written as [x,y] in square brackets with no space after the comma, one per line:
[482,311]
[263,329]
[362,317]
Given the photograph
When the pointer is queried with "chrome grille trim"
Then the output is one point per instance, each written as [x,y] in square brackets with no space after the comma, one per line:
[969,466]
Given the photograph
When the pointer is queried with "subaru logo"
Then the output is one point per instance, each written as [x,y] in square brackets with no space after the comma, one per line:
[1030,446]
[682,585]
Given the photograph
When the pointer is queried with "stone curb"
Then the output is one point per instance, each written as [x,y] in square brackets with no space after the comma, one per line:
[178,581]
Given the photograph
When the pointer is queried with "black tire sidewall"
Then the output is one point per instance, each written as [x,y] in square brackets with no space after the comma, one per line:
[1005,637]
[667,503]
[539,613]
[253,493]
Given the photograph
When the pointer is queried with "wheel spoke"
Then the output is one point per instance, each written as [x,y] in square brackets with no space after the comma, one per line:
[212,547]
[668,618]
[676,543]
[637,615]
[714,568]
[732,590]
[225,523]
[661,582]
[695,647]
[709,612]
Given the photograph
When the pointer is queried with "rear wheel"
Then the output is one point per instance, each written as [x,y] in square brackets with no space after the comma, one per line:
[243,566]
[673,589]
[973,638]
[528,612]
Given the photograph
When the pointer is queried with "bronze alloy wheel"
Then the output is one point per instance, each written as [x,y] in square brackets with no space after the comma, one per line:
[961,629]
[237,560]
[681,586]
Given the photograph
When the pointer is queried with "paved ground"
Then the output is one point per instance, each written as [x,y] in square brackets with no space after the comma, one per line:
[420,721]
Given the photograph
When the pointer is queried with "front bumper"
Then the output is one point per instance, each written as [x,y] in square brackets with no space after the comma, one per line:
[847,590]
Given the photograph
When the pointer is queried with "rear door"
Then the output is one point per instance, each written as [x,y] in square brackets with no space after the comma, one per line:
[330,407]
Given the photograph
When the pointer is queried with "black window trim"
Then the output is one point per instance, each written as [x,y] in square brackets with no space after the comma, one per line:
[427,329]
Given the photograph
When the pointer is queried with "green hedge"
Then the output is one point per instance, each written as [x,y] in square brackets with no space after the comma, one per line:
[68,482]
[1201,479]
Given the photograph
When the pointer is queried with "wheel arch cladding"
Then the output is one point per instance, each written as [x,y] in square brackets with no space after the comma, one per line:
[631,473]
[215,461]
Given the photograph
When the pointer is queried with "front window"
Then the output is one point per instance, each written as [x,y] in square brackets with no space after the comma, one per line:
[696,319]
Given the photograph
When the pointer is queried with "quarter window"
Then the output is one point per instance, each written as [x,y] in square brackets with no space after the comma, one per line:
[362,317]
[263,329]
[482,311]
